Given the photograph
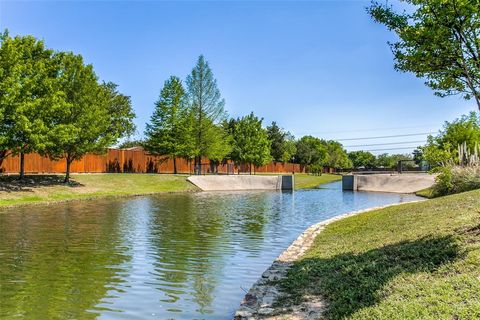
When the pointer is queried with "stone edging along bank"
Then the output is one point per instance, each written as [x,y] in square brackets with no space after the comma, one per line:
[259,301]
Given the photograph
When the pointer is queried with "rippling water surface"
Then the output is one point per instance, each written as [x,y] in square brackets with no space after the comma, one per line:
[175,256]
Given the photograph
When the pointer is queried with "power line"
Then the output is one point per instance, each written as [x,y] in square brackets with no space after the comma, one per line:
[383,144]
[383,137]
[387,149]
[369,130]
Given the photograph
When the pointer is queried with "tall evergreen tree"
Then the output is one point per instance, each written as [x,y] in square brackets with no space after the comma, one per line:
[207,109]
[169,130]
[282,143]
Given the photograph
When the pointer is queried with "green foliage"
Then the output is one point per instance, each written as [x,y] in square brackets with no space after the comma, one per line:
[390,161]
[250,141]
[315,169]
[456,179]
[460,176]
[27,94]
[169,132]
[443,147]
[363,159]
[336,156]
[92,116]
[131,144]
[282,147]
[438,41]
[310,151]
[207,111]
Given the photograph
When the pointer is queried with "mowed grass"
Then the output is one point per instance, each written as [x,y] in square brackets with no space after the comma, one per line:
[49,189]
[414,261]
[307,181]
[85,186]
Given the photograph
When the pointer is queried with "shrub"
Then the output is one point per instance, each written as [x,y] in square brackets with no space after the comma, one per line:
[455,179]
[315,169]
[461,176]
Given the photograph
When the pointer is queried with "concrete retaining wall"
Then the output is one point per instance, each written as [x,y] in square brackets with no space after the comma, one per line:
[397,183]
[240,182]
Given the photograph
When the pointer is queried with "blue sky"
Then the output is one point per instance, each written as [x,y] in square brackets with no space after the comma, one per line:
[322,67]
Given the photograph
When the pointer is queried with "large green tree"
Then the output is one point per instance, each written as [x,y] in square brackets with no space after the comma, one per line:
[362,159]
[93,116]
[207,109]
[250,142]
[336,155]
[169,132]
[439,40]
[27,95]
[311,151]
[282,143]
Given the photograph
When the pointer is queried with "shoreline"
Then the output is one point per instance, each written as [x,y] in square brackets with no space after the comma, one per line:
[107,188]
[99,197]
[259,302]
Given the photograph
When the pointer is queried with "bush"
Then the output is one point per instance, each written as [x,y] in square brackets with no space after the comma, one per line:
[455,179]
[315,169]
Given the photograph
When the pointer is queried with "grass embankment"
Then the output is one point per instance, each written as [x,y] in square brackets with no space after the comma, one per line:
[307,181]
[42,188]
[414,261]
[50,188]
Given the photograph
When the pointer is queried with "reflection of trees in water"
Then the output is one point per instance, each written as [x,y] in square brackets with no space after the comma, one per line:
[59,262]
[249,214]
[186,240]
[193,235]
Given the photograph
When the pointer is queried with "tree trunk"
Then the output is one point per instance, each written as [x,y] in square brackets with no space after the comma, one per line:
[250,169]
[22,165]
[67,173]
[174,165]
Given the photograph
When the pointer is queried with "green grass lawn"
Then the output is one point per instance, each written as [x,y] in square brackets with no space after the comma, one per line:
[307,181]
[414,261]
[84,186]
[44,188]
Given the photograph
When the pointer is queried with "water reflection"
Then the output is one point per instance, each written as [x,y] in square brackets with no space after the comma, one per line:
[178,256]
[59,266]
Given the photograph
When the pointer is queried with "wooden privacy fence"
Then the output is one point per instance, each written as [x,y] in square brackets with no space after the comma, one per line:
[134,161]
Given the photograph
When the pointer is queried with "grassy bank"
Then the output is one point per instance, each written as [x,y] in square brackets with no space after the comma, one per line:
[44,188]
[51,188]
[414,261]
[306,181]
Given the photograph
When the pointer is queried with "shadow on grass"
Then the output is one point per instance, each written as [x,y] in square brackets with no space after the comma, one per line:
[350,282]
[11,183]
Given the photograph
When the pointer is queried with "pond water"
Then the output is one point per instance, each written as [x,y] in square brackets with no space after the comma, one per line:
[173,256]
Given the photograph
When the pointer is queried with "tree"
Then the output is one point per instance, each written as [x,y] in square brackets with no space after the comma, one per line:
[465,129]
[363,159]
[131,144]
[438,42]
[251,144]
[168,131]
[336,156]
[93,116]
[282,143]
[27,95]
[207,109]
[390,161]
[311,151]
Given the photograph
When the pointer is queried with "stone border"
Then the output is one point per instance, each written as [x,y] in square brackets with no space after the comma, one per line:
[258,303]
